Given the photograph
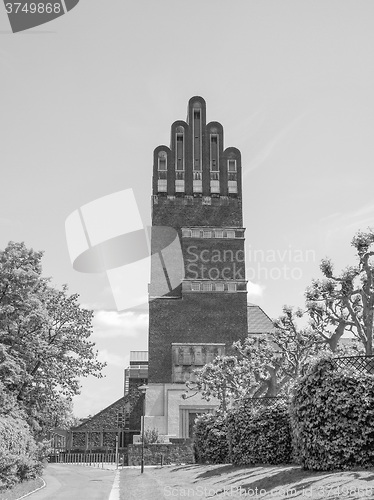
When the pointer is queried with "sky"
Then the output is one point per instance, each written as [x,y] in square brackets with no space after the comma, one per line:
[86,98]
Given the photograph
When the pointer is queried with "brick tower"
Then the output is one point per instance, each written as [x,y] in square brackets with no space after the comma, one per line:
[197,190]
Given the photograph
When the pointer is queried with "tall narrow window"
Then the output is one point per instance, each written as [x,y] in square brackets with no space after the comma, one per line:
[214,164]
[232,176]
[179,161]
[197,151]
[162,172]
[179,151]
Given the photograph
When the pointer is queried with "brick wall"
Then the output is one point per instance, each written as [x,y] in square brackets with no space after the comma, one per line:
[199,317]
[181,453]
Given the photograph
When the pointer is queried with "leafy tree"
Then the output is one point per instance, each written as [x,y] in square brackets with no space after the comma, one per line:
[276,358]
[225,378]
[44,338]
[264,365]
[345,303]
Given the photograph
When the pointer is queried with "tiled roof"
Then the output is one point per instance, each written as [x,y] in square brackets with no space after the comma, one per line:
[258,321]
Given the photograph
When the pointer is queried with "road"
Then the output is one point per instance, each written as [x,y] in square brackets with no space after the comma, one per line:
[75,482]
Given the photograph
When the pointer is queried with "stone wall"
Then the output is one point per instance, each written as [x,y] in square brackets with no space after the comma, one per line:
[173,453]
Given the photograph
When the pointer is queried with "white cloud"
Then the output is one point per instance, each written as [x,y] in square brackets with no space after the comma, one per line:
[254,289]
[117,324]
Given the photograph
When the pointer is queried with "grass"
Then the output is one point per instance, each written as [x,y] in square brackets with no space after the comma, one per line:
[21,489]
[228,481]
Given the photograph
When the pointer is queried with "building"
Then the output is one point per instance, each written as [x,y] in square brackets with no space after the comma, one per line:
[197,196]
[119,420]
[197,191]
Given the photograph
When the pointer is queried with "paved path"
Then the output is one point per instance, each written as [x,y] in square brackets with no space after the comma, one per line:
[75,482]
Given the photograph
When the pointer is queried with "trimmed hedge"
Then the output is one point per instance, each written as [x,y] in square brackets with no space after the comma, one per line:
[210,439]
[260,436]
[332,412]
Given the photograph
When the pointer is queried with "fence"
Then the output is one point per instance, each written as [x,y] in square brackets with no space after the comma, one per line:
[361,363]
[95,459]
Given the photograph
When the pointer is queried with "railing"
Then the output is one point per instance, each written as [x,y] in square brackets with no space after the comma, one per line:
[89,459]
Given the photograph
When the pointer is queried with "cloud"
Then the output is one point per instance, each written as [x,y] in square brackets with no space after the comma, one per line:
[116,324]
[254,289]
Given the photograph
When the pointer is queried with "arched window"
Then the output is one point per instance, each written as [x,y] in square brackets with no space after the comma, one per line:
[214,162]
[162,170]
[197,147]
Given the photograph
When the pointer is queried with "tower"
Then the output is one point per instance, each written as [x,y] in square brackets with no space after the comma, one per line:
[197,191]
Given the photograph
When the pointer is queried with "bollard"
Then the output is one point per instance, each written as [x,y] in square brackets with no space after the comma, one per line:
[162,459]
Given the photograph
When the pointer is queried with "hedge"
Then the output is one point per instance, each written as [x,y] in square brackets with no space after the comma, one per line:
[260,436]
[210,439]
[332,415]
[20,456]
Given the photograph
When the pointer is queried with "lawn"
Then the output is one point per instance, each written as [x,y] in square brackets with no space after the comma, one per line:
[227,481]
[21,489]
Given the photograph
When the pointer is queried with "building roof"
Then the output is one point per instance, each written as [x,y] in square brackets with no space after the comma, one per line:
[258,321]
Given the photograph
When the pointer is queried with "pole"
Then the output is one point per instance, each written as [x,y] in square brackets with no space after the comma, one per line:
[117,451]
[142,463]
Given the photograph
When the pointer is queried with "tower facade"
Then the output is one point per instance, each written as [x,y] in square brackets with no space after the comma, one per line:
[197,191]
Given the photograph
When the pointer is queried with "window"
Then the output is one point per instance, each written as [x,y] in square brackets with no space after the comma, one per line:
[231,287]
[214,152]
[230,234]
[218,234]
[232,176]
[207,287]
[220,287]
[179,151]
[195,233]
[186,233]
[207,234]
[179,175]
[179,186]
[195,287]
[197,153]
[231,165]
[162,160]
[162,185]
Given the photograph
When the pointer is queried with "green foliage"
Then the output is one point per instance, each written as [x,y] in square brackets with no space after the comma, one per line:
[20,456]
[210,439]
[224,378]
[260,436]
[44,340]
[332,414]
[344,302]
[151,436]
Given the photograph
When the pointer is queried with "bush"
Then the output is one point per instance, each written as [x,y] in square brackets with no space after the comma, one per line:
[260,436]
[332,412]
[210,439]
[151,436]
[20,457]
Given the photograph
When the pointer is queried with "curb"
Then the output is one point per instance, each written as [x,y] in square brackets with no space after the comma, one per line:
[37,489]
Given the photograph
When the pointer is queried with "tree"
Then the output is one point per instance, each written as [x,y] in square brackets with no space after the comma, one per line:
[264,365]
[276,357]
[44,338]
[225,378]
[345,303]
